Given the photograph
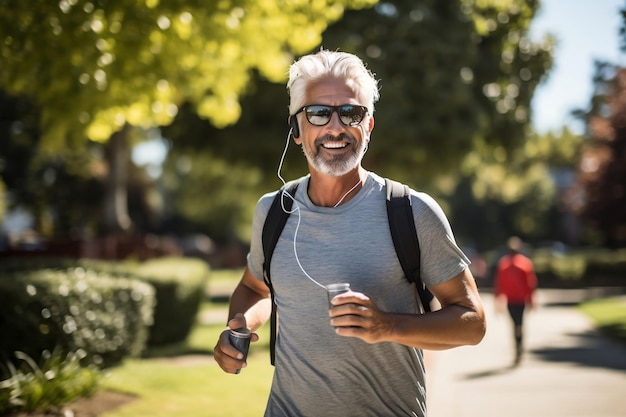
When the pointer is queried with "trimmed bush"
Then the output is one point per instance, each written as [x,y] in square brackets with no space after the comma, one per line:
[74,310]
[179,283]
[593,266]
[180,288]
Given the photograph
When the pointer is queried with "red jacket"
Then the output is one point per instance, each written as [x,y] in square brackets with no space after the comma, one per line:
[515,279]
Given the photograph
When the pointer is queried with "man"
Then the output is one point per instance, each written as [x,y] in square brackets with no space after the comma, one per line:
[515,284]
[363,356]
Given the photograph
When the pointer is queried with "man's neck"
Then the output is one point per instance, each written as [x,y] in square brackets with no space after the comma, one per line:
[330,191]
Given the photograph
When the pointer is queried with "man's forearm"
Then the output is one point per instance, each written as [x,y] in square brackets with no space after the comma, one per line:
[444,329]
[252,305]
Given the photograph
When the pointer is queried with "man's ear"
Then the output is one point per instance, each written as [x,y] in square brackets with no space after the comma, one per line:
[293,125]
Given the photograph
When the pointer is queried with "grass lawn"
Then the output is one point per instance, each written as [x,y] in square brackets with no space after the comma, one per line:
[185,381]
[609,315]
[188,390]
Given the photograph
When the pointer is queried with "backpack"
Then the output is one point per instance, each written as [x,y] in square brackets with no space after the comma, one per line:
[401,225]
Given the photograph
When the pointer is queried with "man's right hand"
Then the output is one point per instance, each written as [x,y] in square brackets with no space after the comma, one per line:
[225,354]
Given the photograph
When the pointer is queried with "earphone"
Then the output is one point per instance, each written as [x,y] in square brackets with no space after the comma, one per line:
[293,125]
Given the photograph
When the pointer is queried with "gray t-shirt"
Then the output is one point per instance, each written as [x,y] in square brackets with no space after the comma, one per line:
[319,373]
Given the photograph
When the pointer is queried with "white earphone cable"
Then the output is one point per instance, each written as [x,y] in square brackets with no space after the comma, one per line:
[295,209]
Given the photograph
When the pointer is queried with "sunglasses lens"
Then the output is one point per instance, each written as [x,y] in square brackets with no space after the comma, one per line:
[350,115]
[318,115]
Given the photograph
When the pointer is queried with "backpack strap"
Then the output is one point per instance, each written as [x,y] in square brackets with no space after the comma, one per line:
[274,224]
[404,236]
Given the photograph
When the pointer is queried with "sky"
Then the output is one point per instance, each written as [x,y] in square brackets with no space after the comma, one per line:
[586,30]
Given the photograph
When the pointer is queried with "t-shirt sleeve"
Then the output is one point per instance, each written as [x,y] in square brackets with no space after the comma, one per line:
[441,258]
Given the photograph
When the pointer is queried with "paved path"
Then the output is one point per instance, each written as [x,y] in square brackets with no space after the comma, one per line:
[569,370]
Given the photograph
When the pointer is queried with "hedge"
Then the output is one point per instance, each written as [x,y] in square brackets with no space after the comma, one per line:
[108,309]
[180,289]
[104,318]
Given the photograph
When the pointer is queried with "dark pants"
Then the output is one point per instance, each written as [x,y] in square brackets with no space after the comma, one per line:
[516,311]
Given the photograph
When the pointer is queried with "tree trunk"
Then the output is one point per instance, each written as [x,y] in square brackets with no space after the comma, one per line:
[116,218]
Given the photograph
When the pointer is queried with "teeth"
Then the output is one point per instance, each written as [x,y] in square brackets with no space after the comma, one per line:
[334,145]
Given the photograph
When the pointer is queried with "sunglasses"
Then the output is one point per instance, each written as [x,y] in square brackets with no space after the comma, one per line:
[320,114]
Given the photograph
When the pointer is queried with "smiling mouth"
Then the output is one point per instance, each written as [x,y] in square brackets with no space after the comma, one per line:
[334,145]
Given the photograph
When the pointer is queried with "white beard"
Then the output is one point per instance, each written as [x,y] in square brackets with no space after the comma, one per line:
[339,165]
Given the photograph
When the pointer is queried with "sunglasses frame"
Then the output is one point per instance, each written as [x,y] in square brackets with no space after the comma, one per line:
[334,109]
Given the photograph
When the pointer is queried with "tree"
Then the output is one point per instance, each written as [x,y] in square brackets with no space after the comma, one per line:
[516,193]
[224,213]
[444,91]
[63,190]
[97,67]
[457,78]
[599,195]
[457,75]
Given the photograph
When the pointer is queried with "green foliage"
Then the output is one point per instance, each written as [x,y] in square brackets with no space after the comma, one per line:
[513,193]
[609,314]
[581,266]
[63,189]
[457,78]
[93,67]
[454,75]
[523,172]
[177,286]
[67,184]
[18,128]
[180,288]
[566,268]
[212,194]
[521,181]
[75,309]
[57,381]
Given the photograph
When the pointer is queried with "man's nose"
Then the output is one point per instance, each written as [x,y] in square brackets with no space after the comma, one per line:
[335,122]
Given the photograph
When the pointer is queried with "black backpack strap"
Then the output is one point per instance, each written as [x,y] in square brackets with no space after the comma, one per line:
[404,235]
[272,228]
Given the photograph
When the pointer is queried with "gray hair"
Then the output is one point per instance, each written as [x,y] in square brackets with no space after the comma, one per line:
[326,63]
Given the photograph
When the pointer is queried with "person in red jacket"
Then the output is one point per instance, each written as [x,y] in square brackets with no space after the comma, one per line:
[515,284]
